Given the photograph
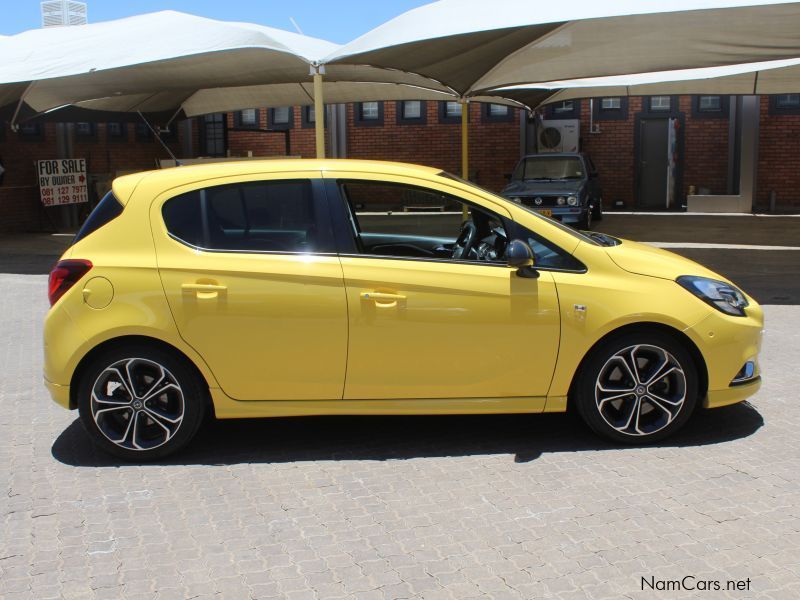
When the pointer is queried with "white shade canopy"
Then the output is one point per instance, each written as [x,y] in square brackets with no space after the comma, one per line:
[472,46]
[158,57]
[771,77]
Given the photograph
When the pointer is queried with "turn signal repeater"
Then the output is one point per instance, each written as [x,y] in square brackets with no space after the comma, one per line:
[64,275]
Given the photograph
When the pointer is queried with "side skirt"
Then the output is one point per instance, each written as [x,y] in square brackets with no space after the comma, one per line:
[227,408]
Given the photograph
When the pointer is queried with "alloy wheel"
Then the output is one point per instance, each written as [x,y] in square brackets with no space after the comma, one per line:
[137,404]
[640,390]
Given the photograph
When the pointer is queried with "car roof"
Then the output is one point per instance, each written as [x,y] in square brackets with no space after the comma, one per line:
[176,176]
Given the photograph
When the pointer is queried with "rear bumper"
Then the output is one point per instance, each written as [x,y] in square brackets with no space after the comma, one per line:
[732,395]
[59,393]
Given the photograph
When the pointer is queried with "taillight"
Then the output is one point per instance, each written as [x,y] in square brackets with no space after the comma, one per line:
[64,275]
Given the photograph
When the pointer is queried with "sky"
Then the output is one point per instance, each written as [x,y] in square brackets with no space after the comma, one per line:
[337,21]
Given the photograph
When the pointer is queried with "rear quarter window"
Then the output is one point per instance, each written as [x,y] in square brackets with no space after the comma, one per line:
[108,209]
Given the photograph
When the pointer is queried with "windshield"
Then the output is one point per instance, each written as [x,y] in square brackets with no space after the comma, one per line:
[573,232]
[549,168]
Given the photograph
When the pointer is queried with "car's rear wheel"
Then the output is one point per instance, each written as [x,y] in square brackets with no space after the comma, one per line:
[637,388]
[585,222]
[140,403]
[597,209]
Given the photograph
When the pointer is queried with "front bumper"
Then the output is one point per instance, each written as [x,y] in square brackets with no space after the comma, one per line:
[565,214]
[732,395]
[59,393]
[726,344]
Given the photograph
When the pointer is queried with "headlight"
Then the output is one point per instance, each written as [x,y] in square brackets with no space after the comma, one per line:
[722,296]
[572,201]
[560,200]
[516,199]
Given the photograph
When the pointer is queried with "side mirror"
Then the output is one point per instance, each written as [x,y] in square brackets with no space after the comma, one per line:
[520,257]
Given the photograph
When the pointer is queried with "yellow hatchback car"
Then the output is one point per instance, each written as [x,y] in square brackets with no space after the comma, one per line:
[305,287]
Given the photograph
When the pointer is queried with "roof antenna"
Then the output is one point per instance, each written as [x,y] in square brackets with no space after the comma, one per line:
[296,26]
[157,135]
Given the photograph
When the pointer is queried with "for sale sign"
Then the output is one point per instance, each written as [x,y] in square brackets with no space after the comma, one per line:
[62,181]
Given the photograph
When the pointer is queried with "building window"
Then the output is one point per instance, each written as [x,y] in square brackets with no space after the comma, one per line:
[449,112]
[33,132]
[709,103]
[786,104]
[566,109]
[168,133]
[249,118]
[497,113]
[660,103]
[412,112]
[368,114]
[610,109]
[143,132]
[787,101]
[710,107]
[117,132]
[309,117]
[610,103]
[214,134]
[281,117]
[85,131]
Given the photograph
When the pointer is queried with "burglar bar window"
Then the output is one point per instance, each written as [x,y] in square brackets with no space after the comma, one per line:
[710,103]
[411,112]
[214,134]
[610,103]
[281,117]
[566,109]
[412,109]
[498,110]
[84,131]
[368,113]
[660,103]
[117,131]
[452,110]
[496,113]
[31,131]
[247,118]
[787,101]
[610,108]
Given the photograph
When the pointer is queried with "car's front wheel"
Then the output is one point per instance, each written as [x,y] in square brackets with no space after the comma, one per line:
[140,403]
[637,388]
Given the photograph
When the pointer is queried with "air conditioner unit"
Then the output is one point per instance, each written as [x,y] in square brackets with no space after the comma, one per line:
[559,135]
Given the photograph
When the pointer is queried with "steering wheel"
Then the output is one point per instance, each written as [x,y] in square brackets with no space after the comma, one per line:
[466,240]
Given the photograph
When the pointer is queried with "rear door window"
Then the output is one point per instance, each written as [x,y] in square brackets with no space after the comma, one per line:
[262,216]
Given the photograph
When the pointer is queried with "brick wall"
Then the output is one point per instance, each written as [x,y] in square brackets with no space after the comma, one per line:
[778,159]
[493,146]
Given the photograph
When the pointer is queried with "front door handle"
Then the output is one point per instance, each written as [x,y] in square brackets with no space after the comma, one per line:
[383,299]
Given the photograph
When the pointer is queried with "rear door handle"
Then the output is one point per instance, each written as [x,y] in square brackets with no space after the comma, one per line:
[204,291]
[203,287]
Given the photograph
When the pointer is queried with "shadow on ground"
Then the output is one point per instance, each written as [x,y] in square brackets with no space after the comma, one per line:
[283,440]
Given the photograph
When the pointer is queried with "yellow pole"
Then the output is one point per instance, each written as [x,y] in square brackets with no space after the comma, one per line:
[319,114]
[464,149]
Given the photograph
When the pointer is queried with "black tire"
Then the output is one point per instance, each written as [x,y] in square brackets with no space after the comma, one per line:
[585,222]
[655,420]
[165,422]
[597,209]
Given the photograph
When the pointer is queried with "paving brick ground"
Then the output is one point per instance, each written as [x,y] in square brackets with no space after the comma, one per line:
[428,507]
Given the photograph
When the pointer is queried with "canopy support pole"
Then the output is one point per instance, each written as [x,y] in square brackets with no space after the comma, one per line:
[14,125]
[464,149]
[319,110]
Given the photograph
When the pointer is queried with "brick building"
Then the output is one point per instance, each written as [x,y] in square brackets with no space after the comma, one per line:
[614,131]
